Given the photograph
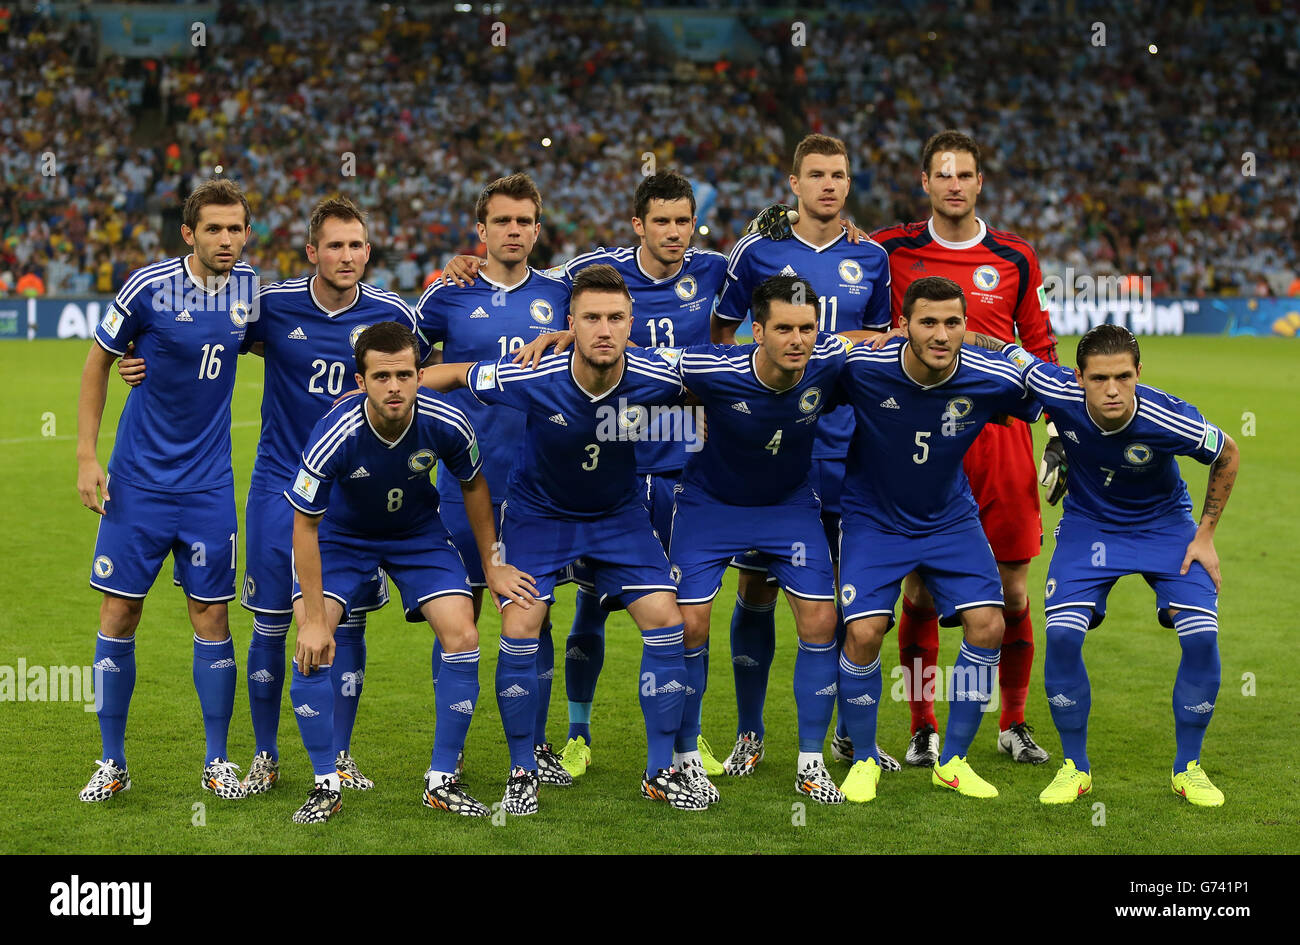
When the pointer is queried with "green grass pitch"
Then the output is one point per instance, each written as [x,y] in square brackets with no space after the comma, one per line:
[49,614]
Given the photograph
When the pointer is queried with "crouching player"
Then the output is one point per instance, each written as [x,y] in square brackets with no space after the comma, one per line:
[1128,512]
[364,500]
[918,404]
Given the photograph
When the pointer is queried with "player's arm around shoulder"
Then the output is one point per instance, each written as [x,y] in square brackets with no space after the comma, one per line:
[1223,475]
[446,377]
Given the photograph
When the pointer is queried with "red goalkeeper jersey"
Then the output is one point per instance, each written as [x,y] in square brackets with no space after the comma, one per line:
[997,270]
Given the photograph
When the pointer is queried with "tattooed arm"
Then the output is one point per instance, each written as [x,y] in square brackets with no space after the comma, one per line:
[983,341]
[1223,473]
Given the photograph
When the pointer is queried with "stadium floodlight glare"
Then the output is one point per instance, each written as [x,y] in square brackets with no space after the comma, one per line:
[1152,49]
[546,142]
[704,231]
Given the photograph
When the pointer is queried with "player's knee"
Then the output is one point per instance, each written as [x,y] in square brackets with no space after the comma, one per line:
[754,590]
[696,621]
[984,627]
[211,620]
[862,640]
[817,625]
[119,616]
[459,638]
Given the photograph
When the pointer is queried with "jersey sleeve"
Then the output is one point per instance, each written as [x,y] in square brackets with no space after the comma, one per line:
[1033,326]
[733,302]
[500,382]
[257,321]
[407,317]
[123,321]
[877,315]
[457,443]
[1045,380]
[311,486]
[1192,434]
[430,317]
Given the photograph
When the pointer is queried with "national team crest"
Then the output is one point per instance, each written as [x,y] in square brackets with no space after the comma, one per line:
[686,288]
[355,334]
[541,311]
[103,566]
[676,573]
[1051,588]
[959,407]
[1139,454]
[632,417]
[420,460]
[850,271]
[810,399]
[847,593]
[250,587]
[239,313]
[986,278]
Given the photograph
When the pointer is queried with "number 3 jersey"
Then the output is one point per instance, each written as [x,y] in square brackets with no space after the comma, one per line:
[309,364]
[904,469]
[366,485]
[1128,477]
[174,433]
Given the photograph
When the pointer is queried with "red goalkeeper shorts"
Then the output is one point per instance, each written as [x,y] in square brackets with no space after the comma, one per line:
[1004,479]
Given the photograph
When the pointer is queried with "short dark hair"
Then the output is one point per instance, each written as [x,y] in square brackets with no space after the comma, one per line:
[217,191]
[337,207]
[790,289]
[598,278]
[519,186]
[817,144]
[932,289]
[662,185]
[386,338]
[1107,339]
[949,140]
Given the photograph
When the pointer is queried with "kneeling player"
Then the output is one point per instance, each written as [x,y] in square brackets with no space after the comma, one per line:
[920,402]
[364,500]
[1128,512]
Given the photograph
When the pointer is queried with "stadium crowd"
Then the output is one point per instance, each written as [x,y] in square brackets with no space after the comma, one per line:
[1110,159]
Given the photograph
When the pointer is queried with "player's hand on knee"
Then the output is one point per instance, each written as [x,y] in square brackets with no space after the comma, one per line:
[1202,549]
[531,354]
[505,580]
[90,483]
[1053,466]
[774,222]
[131,368]
[315,648]
[462,270]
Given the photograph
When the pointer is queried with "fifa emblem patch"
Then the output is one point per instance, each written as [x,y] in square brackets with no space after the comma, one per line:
[1139,454]
[103,566]
[847,593]
[1211,438]
[671,355]
[541,311]
[355,334]
[850,271]
[810,399]
[420,460]
[1020,357]
[486,377]
[239,313]
[686,288]
[473,450]
[112,321]
[306,485]
[986,278]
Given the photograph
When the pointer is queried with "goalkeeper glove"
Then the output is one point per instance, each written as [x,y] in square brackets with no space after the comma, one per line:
[774,222]
[1052,468]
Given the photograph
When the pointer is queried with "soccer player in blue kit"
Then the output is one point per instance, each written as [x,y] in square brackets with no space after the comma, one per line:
[853,279]
[170,487]
[674,288]
[918,404]
[306,329]
[362,500]
[504,309]
[1127,511]
[574,494]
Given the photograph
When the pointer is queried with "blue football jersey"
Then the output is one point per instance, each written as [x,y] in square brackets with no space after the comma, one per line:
[309,363]
[759,448]
[174,433]
[904,467]
[578,459]
[366,485]
[490,321]
[673,312]
[852,284]
[1127,477]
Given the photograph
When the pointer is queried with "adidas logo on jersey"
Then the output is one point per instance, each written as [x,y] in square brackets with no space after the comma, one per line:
[890,404]
[106,665]
[788,271]
[1203,708]
[262,676]
[514,692]
[1062,701]
[919,266]
[830,690]
[743,660]
[298,334]
[359,473]
[464,708]
[558,418]
[1069,435]
[306,711]
[478,313]
[741,406]
[671,686]
[863,699]
[185,316]
[576,654]
[690,691]
[227,663]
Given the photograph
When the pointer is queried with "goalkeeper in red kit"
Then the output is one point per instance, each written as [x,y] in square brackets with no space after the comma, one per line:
[1005,299]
